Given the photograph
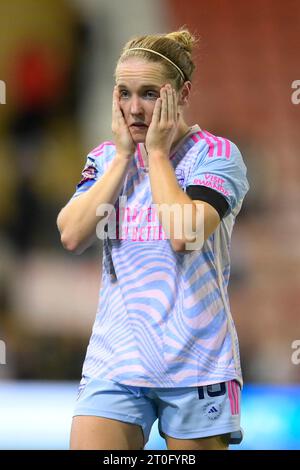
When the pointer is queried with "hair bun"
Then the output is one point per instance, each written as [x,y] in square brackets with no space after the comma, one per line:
[184,38]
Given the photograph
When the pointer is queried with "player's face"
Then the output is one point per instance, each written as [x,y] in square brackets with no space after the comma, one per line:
[139,84]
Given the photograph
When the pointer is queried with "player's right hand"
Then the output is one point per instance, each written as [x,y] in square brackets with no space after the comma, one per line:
[123,140]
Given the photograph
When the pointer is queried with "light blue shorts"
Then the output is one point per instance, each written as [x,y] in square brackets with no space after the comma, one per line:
[182,413]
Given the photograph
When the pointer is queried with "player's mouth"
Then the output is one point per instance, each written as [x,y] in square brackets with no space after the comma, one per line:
[138,126]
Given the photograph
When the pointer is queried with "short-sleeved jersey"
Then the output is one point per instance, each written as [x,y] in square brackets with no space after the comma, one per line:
[163,318]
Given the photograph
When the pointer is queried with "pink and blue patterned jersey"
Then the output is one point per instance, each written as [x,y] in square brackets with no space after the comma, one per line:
[163,318]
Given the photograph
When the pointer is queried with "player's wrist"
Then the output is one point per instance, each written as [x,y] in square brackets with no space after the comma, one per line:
[124,156]
[158,154]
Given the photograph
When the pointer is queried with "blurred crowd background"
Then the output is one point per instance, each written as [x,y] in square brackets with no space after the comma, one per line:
[57,59]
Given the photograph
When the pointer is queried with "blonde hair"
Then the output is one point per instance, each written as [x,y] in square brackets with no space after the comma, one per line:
[172,50]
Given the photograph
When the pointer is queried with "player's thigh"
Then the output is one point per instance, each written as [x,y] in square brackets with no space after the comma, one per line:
[206,443]
[97,433]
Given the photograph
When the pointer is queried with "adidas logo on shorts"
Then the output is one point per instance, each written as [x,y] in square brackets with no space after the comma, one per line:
[212,410]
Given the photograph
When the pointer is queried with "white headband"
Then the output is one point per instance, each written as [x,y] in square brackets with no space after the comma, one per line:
[157,53]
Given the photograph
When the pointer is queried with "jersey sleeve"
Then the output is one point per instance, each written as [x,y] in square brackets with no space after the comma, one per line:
[224,173]
[94,167]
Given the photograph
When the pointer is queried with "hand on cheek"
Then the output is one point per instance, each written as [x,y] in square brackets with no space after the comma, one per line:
[123,140]
[163,127]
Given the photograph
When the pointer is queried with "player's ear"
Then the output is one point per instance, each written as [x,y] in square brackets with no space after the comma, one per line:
[184,93]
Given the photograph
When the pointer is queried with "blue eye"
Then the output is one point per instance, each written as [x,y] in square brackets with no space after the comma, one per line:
[123,94]
[151,94]
[148,94]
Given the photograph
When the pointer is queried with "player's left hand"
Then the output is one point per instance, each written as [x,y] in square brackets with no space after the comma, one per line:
[163,127]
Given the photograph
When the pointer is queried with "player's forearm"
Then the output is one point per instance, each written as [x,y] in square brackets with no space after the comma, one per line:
[78,220]
[177,213]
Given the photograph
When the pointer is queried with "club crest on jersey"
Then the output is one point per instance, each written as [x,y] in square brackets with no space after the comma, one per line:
[89,173]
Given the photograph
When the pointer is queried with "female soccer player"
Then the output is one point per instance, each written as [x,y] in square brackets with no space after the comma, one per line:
[164,343]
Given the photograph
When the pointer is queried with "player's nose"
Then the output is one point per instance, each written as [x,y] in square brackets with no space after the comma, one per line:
[136,105]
